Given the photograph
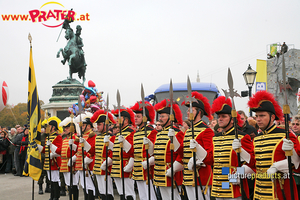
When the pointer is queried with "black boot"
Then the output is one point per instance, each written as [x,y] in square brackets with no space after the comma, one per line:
[63,191]
[122,197]
[85,194]
[47,189]
[90,195]
[56,190]
[129,198]
[75,192]
[41,189]
[102,197]
[110,197]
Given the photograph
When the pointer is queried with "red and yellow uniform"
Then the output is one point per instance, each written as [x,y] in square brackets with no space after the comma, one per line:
[162,155]
[56,140]
[127,133]
[66,153]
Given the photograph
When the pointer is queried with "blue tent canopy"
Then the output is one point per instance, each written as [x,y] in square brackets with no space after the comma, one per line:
[183,87]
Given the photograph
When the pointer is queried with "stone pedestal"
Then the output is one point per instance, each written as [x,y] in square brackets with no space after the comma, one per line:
[65,93]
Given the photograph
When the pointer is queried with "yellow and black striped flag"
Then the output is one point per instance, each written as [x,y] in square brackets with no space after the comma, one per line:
[33,166]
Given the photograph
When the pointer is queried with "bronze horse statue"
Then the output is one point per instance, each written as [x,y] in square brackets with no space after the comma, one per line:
[73,53]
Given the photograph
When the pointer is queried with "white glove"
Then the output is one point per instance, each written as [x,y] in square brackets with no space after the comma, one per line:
[201,152]
[287,145]
[128,168]
[193,144]
[87,146]
[109,163]
[151,162]
[236,144]
[53,155]
[146,140]
[191,164]
[271,172]
[177,166]
[121,138]
[71,143]
[48,143]
[73,159]
[81,140]
[150,144]
[171,132]
[126,144]
[106,138]
[40,148]
[87,160]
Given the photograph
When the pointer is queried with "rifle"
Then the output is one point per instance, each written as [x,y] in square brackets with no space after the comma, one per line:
[121,144]
[82,145]
[232,93]
[146,145]
[286,111]
[191,118]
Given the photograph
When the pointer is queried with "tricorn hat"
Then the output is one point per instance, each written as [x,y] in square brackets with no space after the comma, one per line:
[100,116]
[149,110]
[201,102]
[125,112]
[165,107]
[265,101]
[221,105]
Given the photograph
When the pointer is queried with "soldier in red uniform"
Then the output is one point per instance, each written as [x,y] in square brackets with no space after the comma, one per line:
[53,142]
[99,150]
[127,119]
[269,148]
[139,173]
[66,156]
[204,145]
[162,152]
[87,140]
[224,153]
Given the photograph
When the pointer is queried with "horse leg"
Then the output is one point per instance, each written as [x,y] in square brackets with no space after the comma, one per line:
[70,73]
[71,58]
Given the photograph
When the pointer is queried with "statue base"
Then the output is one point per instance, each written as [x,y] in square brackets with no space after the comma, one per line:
[65,94]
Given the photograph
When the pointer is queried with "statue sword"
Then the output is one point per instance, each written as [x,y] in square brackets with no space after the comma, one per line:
[286,111]
[232,93]
[191,118]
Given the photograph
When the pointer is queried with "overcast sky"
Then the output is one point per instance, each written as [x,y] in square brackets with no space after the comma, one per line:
[129,42]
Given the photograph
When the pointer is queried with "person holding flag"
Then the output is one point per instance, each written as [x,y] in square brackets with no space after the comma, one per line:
[52,151]
[87,139]
[270,146]
[123,138]
[225,155]
[66,156]
[203,143]
[98,150]
[140,164]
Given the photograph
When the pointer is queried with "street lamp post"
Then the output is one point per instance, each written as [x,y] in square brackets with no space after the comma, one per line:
[249,76]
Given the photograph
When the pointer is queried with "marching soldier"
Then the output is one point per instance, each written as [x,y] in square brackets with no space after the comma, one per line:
[224,153]
[162,151]
[66,156]
[139,173]
[87,139]
[126,138]
[53,141]
[269,147]
[204,149]
[99,150]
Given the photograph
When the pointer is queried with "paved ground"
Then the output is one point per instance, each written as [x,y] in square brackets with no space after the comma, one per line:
[20,188]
